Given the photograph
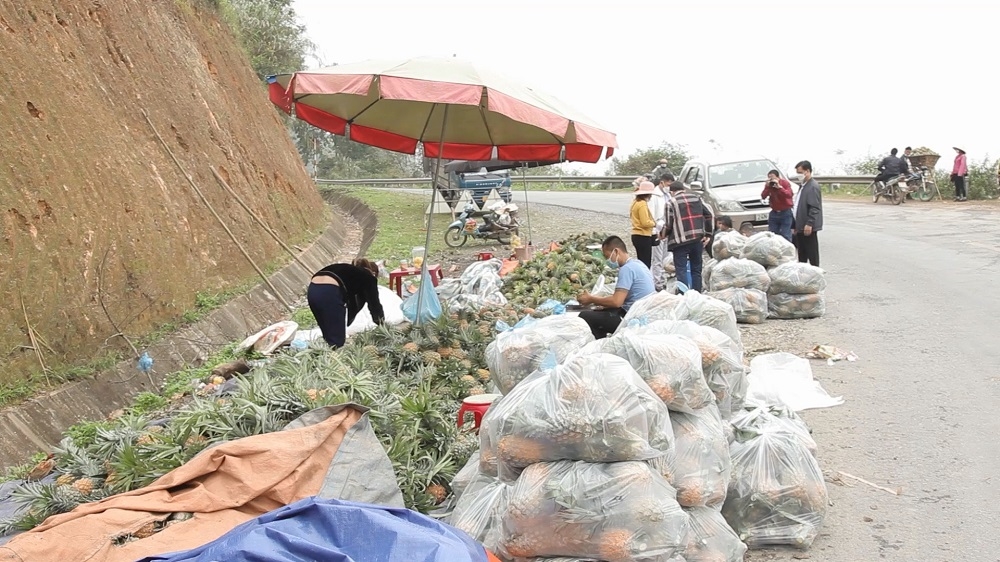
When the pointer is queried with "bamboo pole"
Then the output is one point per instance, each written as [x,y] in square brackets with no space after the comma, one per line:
[257,219]
[204,200]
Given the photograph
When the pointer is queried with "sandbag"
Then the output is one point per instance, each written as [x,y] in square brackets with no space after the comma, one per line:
[721,359]
[711,539]
[619,512]
[702,465]
[797,278]
[769,249]
[777,495]
[728,244]
[785,306]
[518,352]
[749,305]
[670,365]
[592,408]
[743,274]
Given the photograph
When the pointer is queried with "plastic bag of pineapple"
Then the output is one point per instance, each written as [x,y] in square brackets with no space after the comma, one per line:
[721,359]
[702,465]
[711,539]
[619,512]
[740,273]
[728,245]
[670,365]
[769,249]
[518,352]
[657,306]
[706,271]
[709,311]
[754,418]
[591,408]
[749,305]
[790,307]
[777,495]
[480,510]
[460,482]
[797,278]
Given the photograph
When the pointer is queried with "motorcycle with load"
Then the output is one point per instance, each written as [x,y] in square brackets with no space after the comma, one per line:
[499,223]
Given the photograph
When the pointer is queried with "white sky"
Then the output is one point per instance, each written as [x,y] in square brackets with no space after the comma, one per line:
[789,80]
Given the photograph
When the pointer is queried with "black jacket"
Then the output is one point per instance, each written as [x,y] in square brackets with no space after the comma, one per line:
[892,165]
[359,287]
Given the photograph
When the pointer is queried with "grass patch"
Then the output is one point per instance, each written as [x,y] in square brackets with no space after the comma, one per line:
[20,472]
[400,222]
[304,318]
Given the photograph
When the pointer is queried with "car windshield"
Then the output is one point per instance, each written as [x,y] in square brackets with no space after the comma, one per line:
[736,173]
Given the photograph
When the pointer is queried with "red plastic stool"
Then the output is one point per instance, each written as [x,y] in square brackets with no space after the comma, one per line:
[485,256]
[477,406]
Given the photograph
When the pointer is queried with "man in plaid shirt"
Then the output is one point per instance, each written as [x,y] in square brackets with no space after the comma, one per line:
[689,221]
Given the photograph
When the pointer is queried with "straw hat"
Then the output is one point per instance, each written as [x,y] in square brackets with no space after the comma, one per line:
[958,148]
[645,188]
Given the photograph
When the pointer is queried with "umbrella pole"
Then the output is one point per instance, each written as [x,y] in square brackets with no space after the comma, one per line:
[527,209]
[430,215]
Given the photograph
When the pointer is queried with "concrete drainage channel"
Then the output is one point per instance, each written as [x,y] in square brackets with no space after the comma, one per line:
[38,424]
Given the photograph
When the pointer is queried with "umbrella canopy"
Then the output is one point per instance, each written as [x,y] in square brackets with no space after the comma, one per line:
[398,105]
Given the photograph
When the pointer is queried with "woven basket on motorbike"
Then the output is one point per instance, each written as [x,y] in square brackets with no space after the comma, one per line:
[929,160]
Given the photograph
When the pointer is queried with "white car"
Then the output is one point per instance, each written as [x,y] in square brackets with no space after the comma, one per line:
[732,187]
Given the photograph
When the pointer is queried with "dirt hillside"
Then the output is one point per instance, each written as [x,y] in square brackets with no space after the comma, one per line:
[92,208]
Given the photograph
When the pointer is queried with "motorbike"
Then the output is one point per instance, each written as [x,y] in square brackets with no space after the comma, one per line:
[499,223]
[921,184]
[890,189]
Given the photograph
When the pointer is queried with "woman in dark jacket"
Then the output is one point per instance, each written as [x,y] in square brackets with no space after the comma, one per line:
[343,289]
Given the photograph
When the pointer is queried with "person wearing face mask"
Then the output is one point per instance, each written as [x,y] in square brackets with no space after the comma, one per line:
[807,210]
[634,282]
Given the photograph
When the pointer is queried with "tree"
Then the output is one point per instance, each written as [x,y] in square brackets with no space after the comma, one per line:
[866,166]
[644,160]
[271,36]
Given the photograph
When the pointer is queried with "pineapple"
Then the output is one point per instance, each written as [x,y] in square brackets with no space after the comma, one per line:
[65,480]
[523,510]
[650,510]
[483,374]
[144,439]
[312,394]
[466,364]
[438,492]
[631,472]
[410,347]
[194,441]
[431,357]
[468,379]
[444,352]
[570,426]
[616,545]
[519,451]
[147,530]
[459,354]
[84,485]
[530,543]
[691,492]
[477,390]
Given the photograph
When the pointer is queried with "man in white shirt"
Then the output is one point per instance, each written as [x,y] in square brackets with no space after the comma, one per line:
[658,206]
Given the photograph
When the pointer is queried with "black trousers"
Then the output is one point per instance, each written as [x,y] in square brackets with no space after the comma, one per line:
[327,304]
[808,247]
[603,322]
[959,186]
[643,248]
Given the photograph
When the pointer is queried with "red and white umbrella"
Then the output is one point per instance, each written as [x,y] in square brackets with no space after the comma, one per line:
[455,109]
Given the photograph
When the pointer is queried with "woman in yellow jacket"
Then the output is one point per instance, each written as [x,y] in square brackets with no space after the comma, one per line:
[642,223]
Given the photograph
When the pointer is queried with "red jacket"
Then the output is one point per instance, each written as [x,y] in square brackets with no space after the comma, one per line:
[780,197]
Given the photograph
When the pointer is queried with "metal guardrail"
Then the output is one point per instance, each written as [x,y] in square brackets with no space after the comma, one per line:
[858,180]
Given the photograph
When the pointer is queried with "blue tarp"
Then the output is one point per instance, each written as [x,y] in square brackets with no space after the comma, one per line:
[337,531]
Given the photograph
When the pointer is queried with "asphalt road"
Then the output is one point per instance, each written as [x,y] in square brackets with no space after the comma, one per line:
[911,291]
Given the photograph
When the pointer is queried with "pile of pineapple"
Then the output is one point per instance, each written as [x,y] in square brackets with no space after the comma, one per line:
[560,274]
[413,378]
